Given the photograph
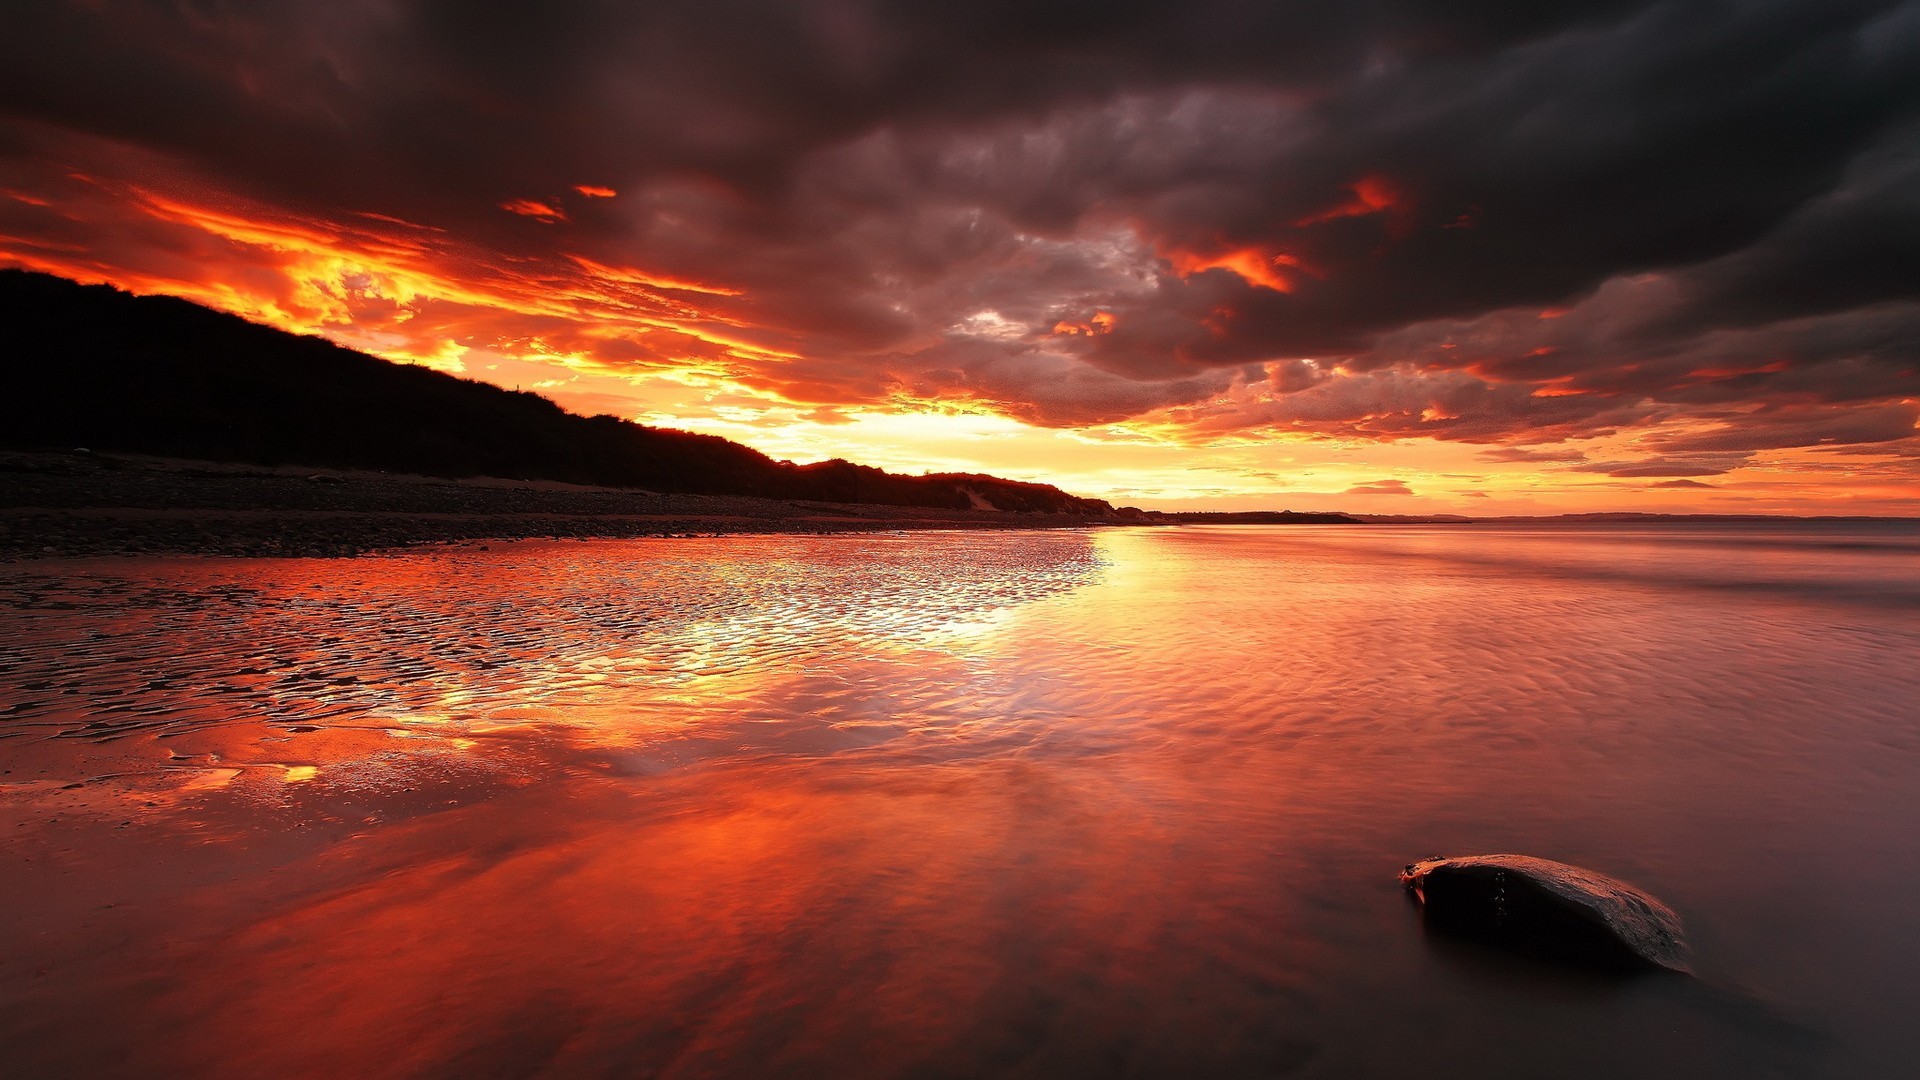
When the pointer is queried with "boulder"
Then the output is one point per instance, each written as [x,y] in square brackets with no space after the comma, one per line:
[1550,909]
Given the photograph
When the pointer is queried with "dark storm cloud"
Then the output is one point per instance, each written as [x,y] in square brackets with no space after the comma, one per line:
[1073,210]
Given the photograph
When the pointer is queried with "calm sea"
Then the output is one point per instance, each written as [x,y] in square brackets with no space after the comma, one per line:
[1107,804]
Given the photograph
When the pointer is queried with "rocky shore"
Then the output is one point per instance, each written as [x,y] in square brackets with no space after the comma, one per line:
[80,504]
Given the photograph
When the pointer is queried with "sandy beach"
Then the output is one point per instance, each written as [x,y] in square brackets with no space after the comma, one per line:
[82,504]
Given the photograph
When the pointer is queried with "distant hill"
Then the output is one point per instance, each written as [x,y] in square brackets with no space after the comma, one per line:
[92,366]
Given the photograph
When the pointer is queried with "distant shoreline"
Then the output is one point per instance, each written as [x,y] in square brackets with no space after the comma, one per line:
[80,505]
[87,505]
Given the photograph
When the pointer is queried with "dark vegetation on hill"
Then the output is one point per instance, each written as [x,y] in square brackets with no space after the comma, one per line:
[92,366]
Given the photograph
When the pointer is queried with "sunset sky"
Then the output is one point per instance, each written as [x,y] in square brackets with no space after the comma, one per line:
[1387,257]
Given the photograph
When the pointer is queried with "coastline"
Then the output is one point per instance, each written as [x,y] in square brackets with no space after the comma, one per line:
[90,505]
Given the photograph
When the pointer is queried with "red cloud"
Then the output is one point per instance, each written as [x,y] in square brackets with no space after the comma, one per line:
[1371,195]
[1256,267]
[539,211]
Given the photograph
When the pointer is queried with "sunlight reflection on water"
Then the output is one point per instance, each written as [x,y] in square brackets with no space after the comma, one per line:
[1041,804]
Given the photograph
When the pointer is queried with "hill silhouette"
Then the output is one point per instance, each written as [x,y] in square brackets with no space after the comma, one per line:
[93,366]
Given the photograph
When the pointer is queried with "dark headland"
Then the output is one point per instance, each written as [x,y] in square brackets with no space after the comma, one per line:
[152,424]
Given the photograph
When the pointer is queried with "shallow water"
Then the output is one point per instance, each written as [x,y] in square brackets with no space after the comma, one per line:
[1126,803]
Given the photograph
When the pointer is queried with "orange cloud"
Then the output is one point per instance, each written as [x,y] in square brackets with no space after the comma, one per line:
[1100,323]
[1255,266]
[391,220]
[397,288]
[652,281]
[594,191]
[539,211]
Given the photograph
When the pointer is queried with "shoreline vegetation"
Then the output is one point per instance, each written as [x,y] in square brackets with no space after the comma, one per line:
[83,504]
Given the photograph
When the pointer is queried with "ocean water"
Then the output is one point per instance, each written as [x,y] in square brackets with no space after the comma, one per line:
[1116,803]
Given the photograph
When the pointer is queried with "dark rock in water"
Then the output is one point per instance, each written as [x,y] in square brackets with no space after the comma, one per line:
[1550,909]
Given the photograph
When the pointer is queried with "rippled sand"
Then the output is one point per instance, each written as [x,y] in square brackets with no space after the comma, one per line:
[1038,804]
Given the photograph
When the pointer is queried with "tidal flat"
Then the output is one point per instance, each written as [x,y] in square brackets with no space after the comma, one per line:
[1125,802]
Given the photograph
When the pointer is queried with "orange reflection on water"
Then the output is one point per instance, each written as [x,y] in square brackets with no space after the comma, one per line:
[363,670]
[1039,805]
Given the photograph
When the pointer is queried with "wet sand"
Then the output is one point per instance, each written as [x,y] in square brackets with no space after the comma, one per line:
[86,504]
